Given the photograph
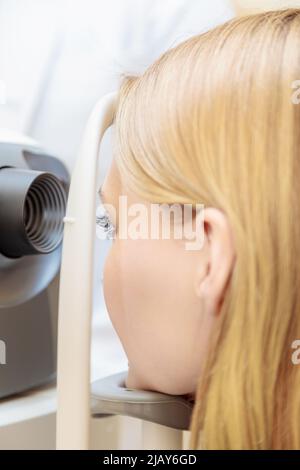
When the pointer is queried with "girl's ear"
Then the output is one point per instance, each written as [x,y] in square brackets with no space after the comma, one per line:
[219,258]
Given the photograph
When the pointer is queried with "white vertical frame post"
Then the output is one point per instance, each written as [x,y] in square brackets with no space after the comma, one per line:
[159,437]
[76,286]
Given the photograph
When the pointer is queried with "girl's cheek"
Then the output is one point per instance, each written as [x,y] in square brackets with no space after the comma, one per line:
[110,286]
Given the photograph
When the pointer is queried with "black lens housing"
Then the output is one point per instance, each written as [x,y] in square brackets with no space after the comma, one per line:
[32,207]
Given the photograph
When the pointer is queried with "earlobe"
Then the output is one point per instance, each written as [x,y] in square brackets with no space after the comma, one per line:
[220,256]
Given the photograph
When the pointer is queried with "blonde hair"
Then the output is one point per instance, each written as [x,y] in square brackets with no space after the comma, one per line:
[212,121]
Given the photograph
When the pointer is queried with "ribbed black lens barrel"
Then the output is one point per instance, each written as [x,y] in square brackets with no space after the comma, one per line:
[32,208]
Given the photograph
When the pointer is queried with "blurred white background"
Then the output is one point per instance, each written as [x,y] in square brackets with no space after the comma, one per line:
[58,56]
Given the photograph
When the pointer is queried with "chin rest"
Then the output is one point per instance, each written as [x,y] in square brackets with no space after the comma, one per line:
[109,396]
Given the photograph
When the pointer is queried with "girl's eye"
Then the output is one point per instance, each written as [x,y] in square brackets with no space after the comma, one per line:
[105,229]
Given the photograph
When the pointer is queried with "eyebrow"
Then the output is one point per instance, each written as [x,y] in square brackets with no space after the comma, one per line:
[102,200]
[100,194]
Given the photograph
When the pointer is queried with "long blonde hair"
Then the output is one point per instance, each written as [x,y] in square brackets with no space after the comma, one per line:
[213,121]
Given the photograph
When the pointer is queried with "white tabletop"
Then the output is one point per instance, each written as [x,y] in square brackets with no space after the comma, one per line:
[107,358]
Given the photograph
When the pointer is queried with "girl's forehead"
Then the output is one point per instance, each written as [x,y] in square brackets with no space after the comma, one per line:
[113,187]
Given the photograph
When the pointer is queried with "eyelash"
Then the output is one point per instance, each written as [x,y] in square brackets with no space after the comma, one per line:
[104,223]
